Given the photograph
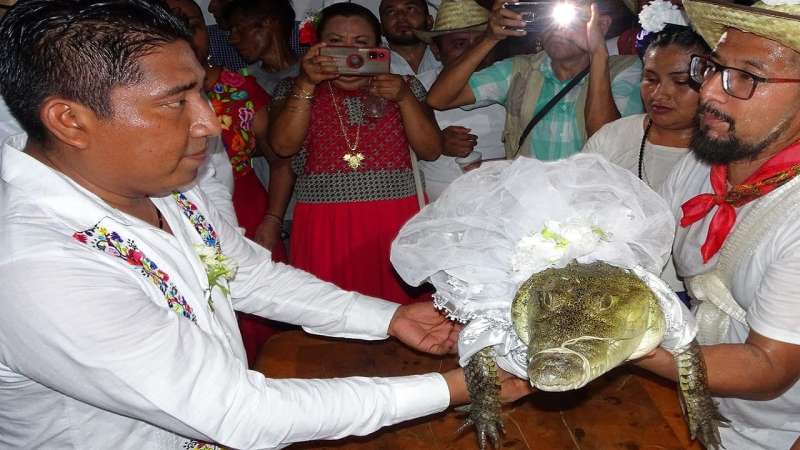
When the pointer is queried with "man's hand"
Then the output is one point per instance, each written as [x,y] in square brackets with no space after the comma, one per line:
[511,387]
[595,42]
[502,22]
[422,327]
[457,141]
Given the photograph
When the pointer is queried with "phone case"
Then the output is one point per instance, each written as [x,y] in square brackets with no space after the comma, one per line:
[359,61]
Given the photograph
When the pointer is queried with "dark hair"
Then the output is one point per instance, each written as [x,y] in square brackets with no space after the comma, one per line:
[672,34]
[421,3]
[192,4]
[260,10]
[79,50]
[349,10]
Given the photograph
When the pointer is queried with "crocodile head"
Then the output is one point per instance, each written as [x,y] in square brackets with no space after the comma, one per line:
[580,321]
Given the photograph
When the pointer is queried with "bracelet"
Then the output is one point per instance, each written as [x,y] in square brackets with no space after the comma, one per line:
[301,93]
[273,216]
[301,97]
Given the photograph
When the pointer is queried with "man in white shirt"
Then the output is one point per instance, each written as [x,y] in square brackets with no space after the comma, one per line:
[459,24]
[118,326]
[736,195]
[399,20]
[215,177]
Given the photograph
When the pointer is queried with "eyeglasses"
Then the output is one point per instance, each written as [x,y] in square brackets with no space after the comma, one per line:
[735,82]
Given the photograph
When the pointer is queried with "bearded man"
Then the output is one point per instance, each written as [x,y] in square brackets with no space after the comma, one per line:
[736,197]
[400,19]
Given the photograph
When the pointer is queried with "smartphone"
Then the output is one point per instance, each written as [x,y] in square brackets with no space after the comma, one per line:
[534,14]
[538,16]
[359,61]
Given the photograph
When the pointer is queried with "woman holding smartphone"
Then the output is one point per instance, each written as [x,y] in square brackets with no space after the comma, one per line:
[355,186]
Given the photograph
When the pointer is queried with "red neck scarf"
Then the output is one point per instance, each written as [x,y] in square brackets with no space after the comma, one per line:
[779,169]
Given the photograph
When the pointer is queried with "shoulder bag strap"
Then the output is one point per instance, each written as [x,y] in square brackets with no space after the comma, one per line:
[546,109]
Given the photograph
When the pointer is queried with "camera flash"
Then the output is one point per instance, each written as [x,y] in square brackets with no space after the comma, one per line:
[564,13]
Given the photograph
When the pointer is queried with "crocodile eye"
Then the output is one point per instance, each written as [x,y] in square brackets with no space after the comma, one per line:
[544,299]
[606,301]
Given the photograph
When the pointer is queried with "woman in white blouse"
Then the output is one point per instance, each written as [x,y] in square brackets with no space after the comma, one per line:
[650,144]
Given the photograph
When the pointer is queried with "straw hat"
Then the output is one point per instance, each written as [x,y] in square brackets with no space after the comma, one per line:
[5,5]
[455,16]
[776,20]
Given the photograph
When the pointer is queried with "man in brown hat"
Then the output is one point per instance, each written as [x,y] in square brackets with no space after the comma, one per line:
[459,24]
[736,197]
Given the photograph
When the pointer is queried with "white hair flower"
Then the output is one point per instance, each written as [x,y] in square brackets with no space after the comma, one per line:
[658,13]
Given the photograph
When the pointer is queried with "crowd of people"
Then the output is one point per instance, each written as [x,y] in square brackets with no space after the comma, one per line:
[173,193]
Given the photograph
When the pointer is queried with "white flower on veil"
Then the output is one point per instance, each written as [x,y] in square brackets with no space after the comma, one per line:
[554,245]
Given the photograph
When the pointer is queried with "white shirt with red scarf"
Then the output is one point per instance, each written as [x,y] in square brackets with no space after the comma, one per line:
[766,285]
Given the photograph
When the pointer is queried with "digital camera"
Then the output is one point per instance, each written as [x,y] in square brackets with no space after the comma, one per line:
[359,61]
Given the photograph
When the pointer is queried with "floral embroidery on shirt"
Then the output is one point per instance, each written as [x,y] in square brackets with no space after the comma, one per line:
[217,266]
[198,221]
[200,445]
[113,244]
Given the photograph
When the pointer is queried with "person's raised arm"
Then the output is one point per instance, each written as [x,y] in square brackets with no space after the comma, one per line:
[451,88]
[419,122]
[600,107]
[290,117]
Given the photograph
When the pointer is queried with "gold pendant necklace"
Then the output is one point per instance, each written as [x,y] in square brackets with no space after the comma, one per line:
[352,157]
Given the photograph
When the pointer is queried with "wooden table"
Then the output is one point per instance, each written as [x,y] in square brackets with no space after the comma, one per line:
[625,409]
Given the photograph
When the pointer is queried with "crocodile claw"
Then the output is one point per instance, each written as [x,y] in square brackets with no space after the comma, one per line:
[484,391]
[699,409]
[488,426]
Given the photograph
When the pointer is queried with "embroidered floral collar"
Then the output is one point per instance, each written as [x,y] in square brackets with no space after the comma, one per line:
[217,266]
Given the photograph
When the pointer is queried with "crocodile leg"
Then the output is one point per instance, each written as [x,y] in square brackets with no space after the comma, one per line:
[699,409]
[484,392]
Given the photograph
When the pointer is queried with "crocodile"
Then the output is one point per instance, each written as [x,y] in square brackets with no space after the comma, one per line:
[579,322]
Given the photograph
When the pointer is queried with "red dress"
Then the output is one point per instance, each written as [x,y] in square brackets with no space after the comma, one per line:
[236,97]
[354,191]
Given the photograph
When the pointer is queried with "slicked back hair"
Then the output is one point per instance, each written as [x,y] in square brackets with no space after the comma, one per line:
[79,50]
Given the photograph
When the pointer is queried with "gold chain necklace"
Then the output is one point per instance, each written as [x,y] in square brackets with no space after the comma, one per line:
[352,158]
